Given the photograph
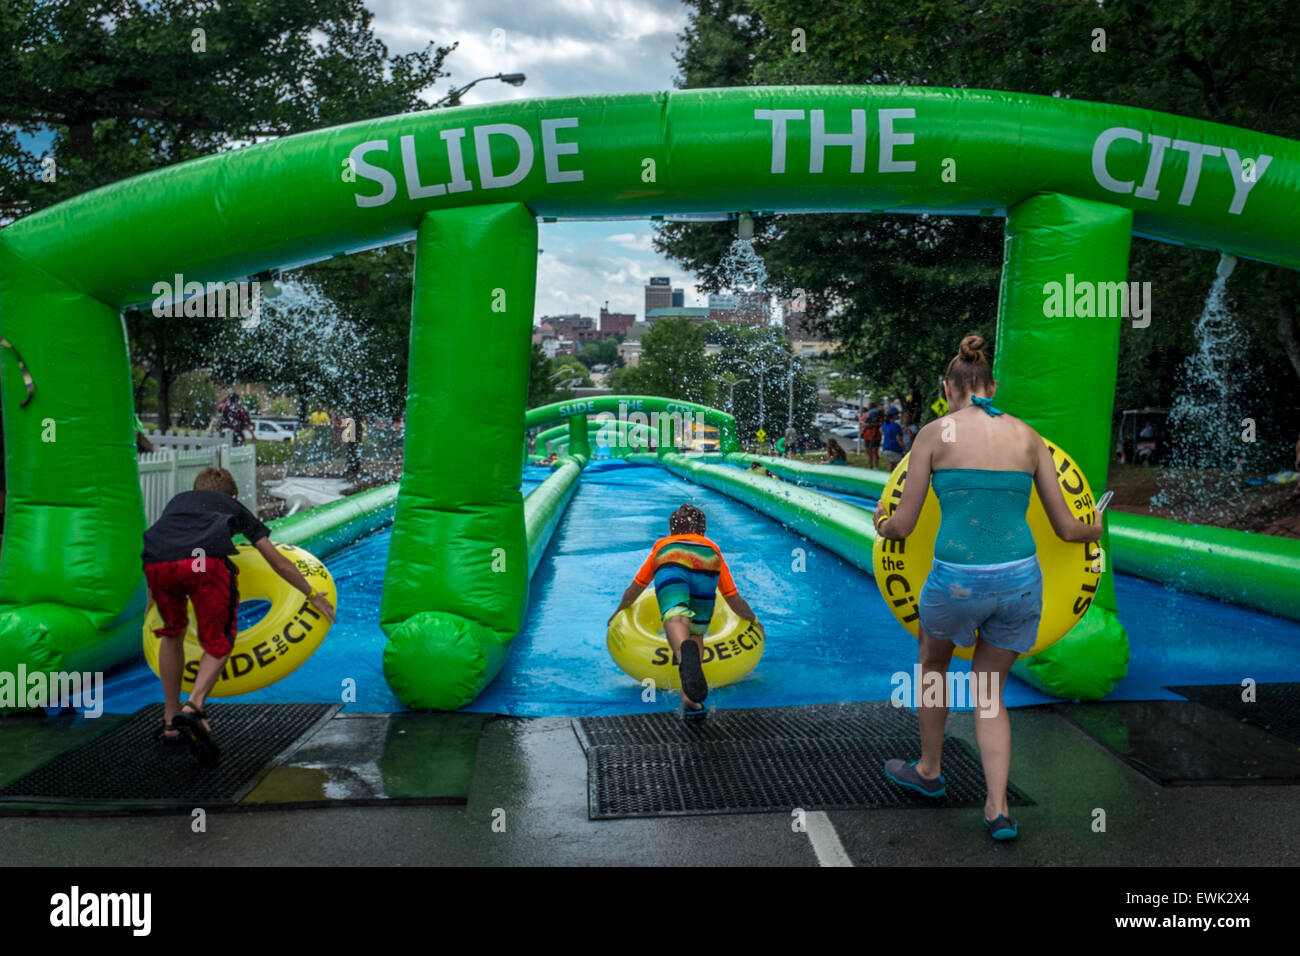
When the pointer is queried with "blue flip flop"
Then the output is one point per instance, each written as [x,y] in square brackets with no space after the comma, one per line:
[905,775]
[1003,828]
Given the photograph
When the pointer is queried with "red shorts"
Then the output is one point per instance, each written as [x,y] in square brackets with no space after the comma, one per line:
[214,592]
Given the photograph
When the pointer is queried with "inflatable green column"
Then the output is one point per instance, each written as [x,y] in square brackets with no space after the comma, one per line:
[457,575]
[71,583]
[579,446]
[1057,372]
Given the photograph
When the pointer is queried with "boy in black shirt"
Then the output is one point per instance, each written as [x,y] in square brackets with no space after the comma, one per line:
[187,558]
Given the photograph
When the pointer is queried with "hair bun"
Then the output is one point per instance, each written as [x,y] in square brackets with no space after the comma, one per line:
[972,348]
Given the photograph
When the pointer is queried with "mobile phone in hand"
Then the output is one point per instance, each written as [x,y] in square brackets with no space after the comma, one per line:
[1105,500]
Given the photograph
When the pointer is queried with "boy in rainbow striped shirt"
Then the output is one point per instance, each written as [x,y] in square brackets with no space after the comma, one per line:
[686,569]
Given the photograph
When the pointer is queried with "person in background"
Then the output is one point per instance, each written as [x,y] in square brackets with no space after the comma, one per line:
[351,434]
[891,439]
[142,444]
[835,453]
[235,417]
[909,429]
[791,439]
[870,433]
[319,416]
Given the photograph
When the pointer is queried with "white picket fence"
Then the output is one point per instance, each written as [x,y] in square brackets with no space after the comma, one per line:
[179,458]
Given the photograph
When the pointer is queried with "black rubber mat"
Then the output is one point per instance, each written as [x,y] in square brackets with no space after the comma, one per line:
[124,768]
[822,757]
[815,721]
[1276,707]
[1181,743]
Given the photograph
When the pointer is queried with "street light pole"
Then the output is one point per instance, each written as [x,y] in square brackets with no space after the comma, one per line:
[731,393]
[789,421]
[453,98]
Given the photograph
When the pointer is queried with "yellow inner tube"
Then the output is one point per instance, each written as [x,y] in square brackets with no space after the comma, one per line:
[636,642]
[274,647]
[1071,570]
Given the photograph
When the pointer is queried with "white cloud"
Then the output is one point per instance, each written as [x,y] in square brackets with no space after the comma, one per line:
[565,48]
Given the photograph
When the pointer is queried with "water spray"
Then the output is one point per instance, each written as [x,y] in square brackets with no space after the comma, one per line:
[745,227]
[1227,262]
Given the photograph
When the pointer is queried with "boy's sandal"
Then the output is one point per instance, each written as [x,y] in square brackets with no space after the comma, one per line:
[161,734]
[193,711]
[201,743]
[694,716]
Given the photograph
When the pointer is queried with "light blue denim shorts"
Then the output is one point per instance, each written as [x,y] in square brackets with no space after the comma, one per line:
[1004,601]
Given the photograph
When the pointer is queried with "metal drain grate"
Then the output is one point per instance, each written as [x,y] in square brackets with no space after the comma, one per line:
[815,721]
[824,757]
[125,768]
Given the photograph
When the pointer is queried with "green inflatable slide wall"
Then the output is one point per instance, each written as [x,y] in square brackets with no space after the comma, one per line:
[1074,179]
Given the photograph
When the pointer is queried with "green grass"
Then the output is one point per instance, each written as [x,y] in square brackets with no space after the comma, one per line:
[274,452]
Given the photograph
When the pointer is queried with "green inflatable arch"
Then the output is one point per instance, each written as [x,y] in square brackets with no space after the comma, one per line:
[616,418]
[1075,180]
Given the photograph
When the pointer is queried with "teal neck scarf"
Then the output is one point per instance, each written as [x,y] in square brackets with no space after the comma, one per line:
[986,404]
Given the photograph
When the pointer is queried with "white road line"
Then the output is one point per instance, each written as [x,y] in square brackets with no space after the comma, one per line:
[825,841]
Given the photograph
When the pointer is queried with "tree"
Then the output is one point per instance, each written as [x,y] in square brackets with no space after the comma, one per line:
[673,364]
[765,381]
[900,292]
[131,85]
[372,292]
[599,353]
[127,86]
[542,379]
[575,373]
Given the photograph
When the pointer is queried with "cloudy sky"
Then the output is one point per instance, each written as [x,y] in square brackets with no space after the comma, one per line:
[565,48]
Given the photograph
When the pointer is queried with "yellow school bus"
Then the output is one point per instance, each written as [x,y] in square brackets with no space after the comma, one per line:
[704,438]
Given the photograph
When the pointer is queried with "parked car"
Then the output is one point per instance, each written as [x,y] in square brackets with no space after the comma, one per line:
[845,431]
[845,412]
[1143,436]
[265,430]
[826,418]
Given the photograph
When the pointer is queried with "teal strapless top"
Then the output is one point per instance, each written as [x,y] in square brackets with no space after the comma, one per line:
[983,515]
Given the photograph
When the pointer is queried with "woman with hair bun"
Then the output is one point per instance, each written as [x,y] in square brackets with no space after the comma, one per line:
[983,464]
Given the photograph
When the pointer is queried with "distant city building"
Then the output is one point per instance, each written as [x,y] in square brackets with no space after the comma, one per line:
[679,298]
[615,323]
[750,308]
[658,293]
[543,333]
[630,353]
[569,325]
[796,321]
